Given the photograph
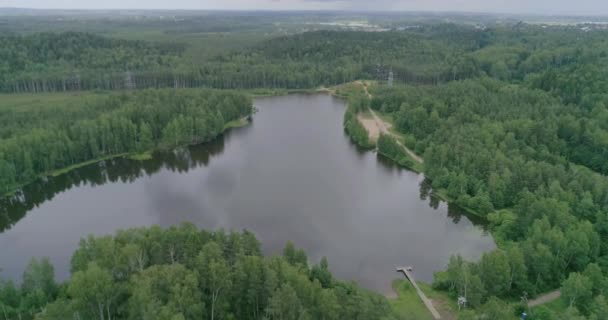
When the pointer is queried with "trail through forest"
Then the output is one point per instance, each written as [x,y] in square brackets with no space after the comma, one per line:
[377,125]
[545,298]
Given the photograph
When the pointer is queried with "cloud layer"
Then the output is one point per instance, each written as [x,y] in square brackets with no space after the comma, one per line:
[596,7]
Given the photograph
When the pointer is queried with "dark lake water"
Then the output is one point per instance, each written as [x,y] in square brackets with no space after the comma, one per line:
[291,175]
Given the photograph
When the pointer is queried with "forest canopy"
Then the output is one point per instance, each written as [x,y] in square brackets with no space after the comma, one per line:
[186,273]
[511,119]
[506,152]
[40,139]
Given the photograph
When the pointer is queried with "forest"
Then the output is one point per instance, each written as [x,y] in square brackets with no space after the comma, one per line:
[511,120]
[186,273]
[428,54]
[48,62]
[525,150]
[33,195]
[41,139]
[308,60]
[493,158]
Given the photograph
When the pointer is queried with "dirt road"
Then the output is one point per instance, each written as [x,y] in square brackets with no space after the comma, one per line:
[376,126]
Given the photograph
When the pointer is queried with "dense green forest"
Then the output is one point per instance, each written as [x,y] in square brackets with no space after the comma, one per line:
[186,273]
[48,62]
[40,139]
[428,54]
[356,103]
[520,140]
[388,147]
[505,152]
[512,122]
[33,195]
[80,61]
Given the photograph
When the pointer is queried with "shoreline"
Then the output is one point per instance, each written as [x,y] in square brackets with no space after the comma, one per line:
[384,127]
[393,295]
[135,156]
[146,155]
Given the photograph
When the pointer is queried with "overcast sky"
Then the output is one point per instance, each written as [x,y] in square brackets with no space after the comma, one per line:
[597,7]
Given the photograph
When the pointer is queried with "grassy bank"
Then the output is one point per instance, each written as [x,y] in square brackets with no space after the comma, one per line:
[411,166]
[136,156]
[236,124]
[141,156]
[65,170]
[409,306]
[260,93]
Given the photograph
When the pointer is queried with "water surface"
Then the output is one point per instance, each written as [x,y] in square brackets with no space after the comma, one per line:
[291,175]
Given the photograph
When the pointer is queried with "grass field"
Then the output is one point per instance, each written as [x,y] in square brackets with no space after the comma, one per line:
[409,306]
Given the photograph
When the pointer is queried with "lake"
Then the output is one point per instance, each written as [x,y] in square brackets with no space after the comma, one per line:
[292,174]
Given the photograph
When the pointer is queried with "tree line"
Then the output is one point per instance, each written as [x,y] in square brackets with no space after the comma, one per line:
[14,208]
[511,121]
[503,152]
[357,103]
[73,61]
[431,54]
[130,122]
[388,147]
[49,62]
[185,273]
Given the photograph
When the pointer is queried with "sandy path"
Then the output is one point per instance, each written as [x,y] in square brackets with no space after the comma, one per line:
[553,295]
[384,128]
[371,126]
[376,126]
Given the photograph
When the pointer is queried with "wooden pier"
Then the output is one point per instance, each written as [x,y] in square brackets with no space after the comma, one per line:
[427,302]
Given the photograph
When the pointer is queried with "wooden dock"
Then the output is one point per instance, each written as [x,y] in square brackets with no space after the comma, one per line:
[427,302]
